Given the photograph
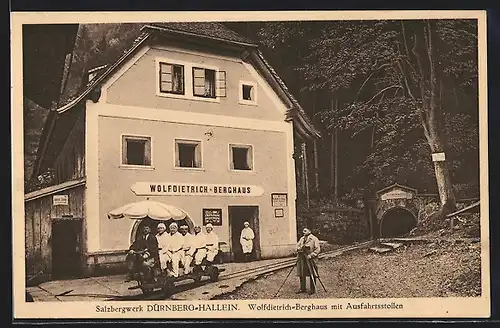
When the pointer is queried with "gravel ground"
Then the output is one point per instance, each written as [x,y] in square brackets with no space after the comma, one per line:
[439,269]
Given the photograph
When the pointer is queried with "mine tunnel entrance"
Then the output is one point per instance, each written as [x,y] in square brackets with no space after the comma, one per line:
[397,222]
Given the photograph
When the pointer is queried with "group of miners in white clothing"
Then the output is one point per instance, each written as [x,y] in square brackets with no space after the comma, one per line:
[178,246]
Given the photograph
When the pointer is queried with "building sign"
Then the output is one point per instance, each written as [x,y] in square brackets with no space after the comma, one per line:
[279,213]
[279,200]
[186,189]
[438,157]
[213,216]
[60,200]
[397,194]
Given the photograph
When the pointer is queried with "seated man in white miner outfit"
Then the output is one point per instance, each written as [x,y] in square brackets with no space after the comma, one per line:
[174,248]
[212,243]
[162,237]
[188,250]
[199,246]
[307,250]
[246,241]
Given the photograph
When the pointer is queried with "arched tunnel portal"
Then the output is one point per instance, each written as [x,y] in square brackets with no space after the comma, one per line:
[396,222]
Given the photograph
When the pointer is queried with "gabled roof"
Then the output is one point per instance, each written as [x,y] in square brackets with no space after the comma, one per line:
[396,185]
[206,31]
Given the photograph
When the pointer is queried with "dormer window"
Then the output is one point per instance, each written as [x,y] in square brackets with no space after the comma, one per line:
[171,78]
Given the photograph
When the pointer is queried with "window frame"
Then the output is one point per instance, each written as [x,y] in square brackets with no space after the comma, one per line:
[243,101]
[250,147]
[220,84]
[131,136]
[173,64]
[188,141]
[193,68]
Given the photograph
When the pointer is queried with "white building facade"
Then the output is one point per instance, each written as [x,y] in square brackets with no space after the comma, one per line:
[194,121]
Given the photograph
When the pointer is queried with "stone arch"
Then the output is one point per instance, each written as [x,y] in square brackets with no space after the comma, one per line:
[147,221]
[397,221]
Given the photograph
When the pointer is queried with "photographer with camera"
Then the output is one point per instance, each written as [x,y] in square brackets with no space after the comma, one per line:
[308,249]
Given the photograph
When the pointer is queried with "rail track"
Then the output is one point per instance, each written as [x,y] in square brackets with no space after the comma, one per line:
[246,273]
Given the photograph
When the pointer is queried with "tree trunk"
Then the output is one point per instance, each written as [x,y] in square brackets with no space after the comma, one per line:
[445,187]
[304,168]
[430,112]
[443,180]
[336,170]
[444,184]
[334,156]
[316,169]
[315,149]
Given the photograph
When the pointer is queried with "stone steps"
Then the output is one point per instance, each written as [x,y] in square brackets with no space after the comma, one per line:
[385,247]
[392,245]
[380,250]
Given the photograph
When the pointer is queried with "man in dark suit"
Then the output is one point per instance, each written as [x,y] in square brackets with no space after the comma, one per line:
[146,242]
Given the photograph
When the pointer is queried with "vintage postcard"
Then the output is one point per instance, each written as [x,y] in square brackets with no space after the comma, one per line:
[250,165]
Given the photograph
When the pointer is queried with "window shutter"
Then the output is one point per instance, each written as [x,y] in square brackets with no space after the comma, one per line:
[231,157]
[249,158]
[166,77]
[179,79]
[147,152]
[199,81]
[197,155]
[220,90]
[124,150]
[177,158]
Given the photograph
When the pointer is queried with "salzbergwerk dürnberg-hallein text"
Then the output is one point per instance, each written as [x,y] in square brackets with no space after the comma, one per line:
[252,307]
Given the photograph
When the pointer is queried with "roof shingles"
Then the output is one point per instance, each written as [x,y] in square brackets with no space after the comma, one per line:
[213,30]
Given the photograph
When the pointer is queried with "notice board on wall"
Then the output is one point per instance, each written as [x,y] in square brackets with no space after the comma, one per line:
[212,216]
[279,200]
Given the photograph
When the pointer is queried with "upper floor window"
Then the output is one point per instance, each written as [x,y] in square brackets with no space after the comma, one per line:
[171,78]
[188,153]
[241,157]
[248,92]
[136,150]
[204,82]
[209,83]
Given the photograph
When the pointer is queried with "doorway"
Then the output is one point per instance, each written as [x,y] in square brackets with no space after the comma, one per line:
[237,216]
[66,248]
